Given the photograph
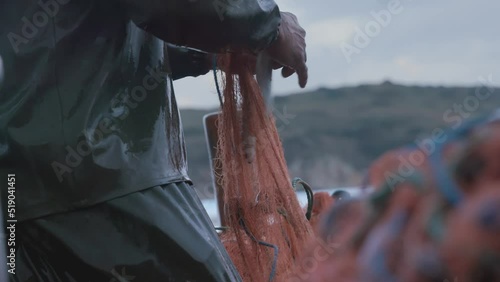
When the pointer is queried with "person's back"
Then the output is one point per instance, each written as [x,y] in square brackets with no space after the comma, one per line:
[86,115]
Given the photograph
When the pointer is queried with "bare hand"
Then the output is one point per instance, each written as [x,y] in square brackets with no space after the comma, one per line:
[289,50]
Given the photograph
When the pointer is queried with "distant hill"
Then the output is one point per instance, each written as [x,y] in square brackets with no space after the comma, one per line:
[330,136]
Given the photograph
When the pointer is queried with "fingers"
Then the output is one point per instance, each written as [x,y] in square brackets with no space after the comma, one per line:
[286,72]
[302,72]
[289,51]
[299,67]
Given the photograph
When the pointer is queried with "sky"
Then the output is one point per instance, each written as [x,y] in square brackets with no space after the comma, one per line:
[410,42]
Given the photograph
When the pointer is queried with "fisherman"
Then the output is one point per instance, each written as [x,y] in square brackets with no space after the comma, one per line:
[90,128]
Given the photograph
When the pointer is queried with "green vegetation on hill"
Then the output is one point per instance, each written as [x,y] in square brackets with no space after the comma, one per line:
[330,136]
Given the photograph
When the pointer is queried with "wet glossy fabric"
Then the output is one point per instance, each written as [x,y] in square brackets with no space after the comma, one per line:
[186,62]
[87,112]
[160,234]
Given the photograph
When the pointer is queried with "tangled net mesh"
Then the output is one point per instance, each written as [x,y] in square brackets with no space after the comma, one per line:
[267,227]
[417,226]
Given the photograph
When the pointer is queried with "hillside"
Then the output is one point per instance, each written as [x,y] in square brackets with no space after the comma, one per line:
[330,136]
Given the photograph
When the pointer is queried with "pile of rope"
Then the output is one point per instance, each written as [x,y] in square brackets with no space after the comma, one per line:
[434,216]
[266,225]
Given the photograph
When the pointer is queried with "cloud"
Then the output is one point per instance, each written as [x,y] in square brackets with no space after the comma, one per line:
[408,65]
[330,33]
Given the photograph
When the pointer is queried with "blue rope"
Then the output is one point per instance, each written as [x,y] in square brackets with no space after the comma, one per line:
[275,258]
[380,263]
[214,67]
[445,182]
[276,250]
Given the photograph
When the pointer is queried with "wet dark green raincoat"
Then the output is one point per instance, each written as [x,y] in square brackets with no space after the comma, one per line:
[88,118]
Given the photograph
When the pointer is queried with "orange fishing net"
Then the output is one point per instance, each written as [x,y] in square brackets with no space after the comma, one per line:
[266,224]
[417,226]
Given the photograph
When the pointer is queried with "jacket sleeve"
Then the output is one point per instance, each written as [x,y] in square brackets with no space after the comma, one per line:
[210,25]
[187,62]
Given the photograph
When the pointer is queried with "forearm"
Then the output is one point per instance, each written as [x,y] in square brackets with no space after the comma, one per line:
[214,26]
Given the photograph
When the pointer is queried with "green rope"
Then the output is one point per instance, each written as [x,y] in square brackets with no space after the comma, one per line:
[309,193]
